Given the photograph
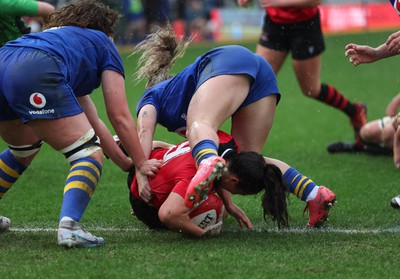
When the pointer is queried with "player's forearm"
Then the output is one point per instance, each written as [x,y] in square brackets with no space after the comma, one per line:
[183,224]
[147,121]
[125,127]
[382,52]
[111,149]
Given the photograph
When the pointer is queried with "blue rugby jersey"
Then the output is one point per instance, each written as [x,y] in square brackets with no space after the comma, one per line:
[86,53]
[171,98]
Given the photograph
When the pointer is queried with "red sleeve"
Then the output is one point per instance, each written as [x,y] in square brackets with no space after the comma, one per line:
[181,187]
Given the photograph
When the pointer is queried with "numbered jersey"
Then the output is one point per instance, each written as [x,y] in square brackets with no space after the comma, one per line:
[178,169]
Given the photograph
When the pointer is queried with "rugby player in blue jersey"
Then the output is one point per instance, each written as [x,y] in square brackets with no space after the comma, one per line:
[46,80]
[225,82]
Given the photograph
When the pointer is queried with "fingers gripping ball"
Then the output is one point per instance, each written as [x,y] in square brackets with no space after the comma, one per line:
[4,223]
[209,212]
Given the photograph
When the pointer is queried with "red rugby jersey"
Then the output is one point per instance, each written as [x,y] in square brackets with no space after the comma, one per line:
[291,15]
[177,171]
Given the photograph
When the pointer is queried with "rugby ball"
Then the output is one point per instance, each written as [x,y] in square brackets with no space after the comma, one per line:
[209,212]
[395,202]
[4,223]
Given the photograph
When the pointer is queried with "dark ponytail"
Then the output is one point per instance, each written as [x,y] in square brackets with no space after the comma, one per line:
[255,175]
[275,196]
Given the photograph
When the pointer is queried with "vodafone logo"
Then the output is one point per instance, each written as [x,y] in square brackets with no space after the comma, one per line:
[37,100]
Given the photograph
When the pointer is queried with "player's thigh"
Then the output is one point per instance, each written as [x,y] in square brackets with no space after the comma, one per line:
[372,132]
[14,132]
[308,75]
[62,132]
[217,99]
[252,124]
[275,58]
[387,135]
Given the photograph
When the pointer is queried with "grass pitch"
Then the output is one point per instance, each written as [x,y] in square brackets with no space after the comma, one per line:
[360,240]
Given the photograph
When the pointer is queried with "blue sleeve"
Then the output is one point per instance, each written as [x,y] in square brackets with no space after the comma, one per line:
[112,60]
[146,99]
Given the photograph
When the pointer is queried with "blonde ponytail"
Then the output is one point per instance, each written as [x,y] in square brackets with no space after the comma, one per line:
[159,51]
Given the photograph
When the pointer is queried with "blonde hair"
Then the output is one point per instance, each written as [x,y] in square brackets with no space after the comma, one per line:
[159,50]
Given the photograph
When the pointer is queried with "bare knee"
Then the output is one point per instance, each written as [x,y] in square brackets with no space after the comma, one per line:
[371,132]
[198,131]
[165,217]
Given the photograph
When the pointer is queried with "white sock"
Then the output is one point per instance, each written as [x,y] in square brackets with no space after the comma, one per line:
[66,218]
[313,194]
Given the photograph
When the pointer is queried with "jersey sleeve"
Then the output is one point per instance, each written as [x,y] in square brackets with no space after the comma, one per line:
[112,60]
[19,8]
[146,99]
[181,187]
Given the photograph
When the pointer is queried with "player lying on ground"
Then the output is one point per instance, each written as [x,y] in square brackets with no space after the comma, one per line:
[361,54]
[377,136]
[248,173]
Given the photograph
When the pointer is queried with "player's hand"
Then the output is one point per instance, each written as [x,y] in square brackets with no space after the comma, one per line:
[395,121]
[240,217]
[360,54]
[213,230]
[393,42]
[144,188]
[150,167]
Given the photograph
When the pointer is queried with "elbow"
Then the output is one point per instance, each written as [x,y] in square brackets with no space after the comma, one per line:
[166,217]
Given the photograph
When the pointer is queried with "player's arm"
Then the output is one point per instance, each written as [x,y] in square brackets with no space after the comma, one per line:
[107,142]
[29,8]
[361,54]
[147,122]
[234,210]
[175,215]
[44,10]
[393,106]
[162,144]
[123,123]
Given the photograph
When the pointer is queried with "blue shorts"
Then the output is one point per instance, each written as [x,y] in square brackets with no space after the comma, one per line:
[235,60]
[33,86]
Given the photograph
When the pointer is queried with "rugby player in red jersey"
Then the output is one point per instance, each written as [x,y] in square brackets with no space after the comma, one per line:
[294,26]
[247,173]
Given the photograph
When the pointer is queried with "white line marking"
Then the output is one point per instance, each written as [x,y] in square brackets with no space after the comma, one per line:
[258,230]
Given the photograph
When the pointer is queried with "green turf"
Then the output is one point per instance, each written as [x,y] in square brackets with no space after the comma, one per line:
[360,242]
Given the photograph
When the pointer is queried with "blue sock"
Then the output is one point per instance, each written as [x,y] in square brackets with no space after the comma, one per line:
[10,170]
[203,150]
[79,187]
[299,185]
